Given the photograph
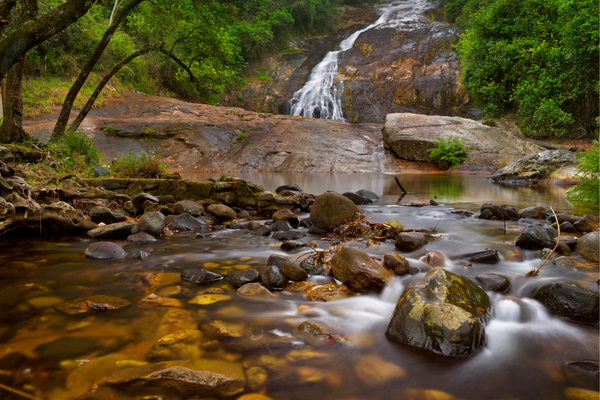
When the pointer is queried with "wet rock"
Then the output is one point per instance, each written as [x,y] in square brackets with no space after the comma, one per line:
[536,237]
[535,167]
[219,329]
[532,212]
[316,231]
[587,246]
[293,271]
[200,276]
[279,226]
[570,241]
[357,199]
[368,194]
[273,278]
[305,223]
[105,251]
[582,373]
[222,212]
[291,245]
[329,292]
[501,212]
[569,300]
[188,207]
[244,276]
[174,291]
[358,270]
[411,241]
[139,199]
[106,215]
[253,225]
[483,257]
[374,371]
[494,282]
[398,264]
[286,215]
[237,225]
[587,223]
[429,394]
[179,345]
[256,378]
[331,210]
[565,264]
[313,265]
[310,328]
[153,299]
[263,230]
[198,377]
[91,303]
[289,235]
[292,186]
[67,348]
[118,230]
[486,214]
[185,222]
[87,374]
[433,259]
[141,238]
[152,223]
[442,312]
[572,393]
[277,260]
[567,227]
[254,289]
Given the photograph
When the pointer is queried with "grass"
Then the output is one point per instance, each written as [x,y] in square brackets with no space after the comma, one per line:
[264,78]
[138,166]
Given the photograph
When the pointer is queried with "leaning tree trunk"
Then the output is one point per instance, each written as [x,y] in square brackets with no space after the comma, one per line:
[11,130]
[65,112]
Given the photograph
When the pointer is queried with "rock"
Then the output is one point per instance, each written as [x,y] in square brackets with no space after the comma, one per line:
[374,371]
[273,278]
[99,171]
[483,257]
[567,227]
[494,282]
[329,292]
[279,226]
[572,393]
[219,330]
[587,246]
[561,217]
[152,223]
[587,223]
[565,264]
[198,377]
[331,210]
[263,230]
[293,271]
[292,186]
[534,167]
[536,237]
[291,245]
[241,277]
[357,199]
[200,276]
[185,222]
[107,216]
[166,199]
[254,225]
[486,214]
[87,374]
[277,260]
[411,241]
[66,348]
[442,312]
[188,207]
[254,290]
[368,194]
[398,264]
[179,345]
[91,303]
[357,270]
[532,212]
[141,238]
[118,230]
[316,231]
[222,212]
[139,199]
[312,265]
[289,235]
[229,178]
[105,251]
[569,300]
[256,378]
[582,373]
[433,259]
[209,298]
[6,155]
[501,212]
[286,215]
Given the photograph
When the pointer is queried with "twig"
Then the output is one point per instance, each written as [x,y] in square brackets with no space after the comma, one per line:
[436,225]
[18,392]
[504,221]
[401,188]
[535,272]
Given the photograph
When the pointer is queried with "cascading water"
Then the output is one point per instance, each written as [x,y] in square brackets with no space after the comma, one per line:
[319,98]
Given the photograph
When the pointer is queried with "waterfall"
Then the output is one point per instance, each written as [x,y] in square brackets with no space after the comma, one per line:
[318,98]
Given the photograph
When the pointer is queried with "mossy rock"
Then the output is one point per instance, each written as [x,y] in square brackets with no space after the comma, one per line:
[199,190]
[23,154]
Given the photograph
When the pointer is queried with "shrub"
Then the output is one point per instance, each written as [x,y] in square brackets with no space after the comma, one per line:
[74,146]
[242,136]
[138,166]
[589,174]
[448,153]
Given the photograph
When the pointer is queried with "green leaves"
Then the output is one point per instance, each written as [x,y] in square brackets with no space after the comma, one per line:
[448,153]
[588,188]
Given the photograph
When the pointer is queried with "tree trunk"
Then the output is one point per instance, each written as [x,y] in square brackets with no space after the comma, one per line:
[5,7]
[65,112]
[11,130]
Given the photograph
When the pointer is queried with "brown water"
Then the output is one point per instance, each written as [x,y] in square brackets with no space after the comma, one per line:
[523,359]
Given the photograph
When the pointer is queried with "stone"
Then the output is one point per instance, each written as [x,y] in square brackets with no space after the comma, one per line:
[186,222]
[286,215]
[200,276]
[433,259]
[291,245]
[325,293]
[199,377]
[273,278]
[182,344]
[587,246]
[411,241]
[567,227]
[316,231]
[312,265]
[188,207]
[569,300]
[254,225]
[535,212]
[357,270]
[96,302]
[561,217]
[222,212]
[87,374]
[279,226]
[206,299]
[106,215]
[118,230]
[262,230]
[494,282]
[277,260]
[487,256]
[139,199]
[292,186]
[6,155]
[587,223]
[220,329]
[105,251]
[374,371]
[486,214]
[152,223]
[256,378]
[67,348]
[166,199]
[293,271]
[99,171]
[536,237]
[289,235]
[141,238]
[582,373]
[396,263]
[573,393]
[331,210]
[501,212]
[565,263]
[534,167]
[357,199]
[368,194]
[443,312]
[244,276]
[254,289]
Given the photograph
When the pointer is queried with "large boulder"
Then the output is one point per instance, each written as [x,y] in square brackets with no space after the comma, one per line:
[152,223]
[331,210]
[587,246]
[442,312]
[357,270]
[569,300]
[537,167]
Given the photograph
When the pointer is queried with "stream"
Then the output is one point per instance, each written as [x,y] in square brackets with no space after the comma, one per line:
[55,356]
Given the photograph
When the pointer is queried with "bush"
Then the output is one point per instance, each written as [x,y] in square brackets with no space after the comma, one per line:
[588,188]
[138,166]
[448,153]
[74,147]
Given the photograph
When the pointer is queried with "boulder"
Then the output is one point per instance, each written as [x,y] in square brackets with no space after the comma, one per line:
[186,222]
[567,227]
[286,215]
[494,282]
[106,215]
[587,223]
[152,223]
[277,260]
[536,237]
[357,198]
[166,199]
[6,155]
[313,265]
[200,276]
[105,251]
[587,246]
[532,212]
[564,263]
[368,194]
[273,278]
[293,271]
[262,230]
[411,241]
[222,212]
[357,270]
[331,210]
[139,199]
[118,230]
[188,207]
[141,238]
[182,344]
[243,276]
[569,300]
[483,257]
[398,264]
[501,212]
[535,167]
[442,312]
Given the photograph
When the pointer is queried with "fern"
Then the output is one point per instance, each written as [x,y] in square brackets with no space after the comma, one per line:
[448,153]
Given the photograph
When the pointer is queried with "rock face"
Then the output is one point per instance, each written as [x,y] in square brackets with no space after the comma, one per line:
[411,135]
[442,312]
[569,300]
[587,246]
[538,167]
[357,270]
[331,210]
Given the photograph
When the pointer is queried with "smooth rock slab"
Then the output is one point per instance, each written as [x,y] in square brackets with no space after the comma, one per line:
[198,377]
[105,251]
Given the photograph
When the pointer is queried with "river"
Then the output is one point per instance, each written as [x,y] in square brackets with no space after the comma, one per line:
[45,353]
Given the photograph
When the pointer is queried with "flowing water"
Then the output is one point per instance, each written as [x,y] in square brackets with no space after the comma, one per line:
[55,356]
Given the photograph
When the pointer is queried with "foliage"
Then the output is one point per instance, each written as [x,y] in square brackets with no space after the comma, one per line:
[76,148]
[448,153]
[588,188]
[109,130]
[242,136]
[537,58]
[138,166]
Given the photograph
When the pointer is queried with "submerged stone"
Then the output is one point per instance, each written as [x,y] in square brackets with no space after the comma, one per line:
[91,303]
[200,276]
[241,277]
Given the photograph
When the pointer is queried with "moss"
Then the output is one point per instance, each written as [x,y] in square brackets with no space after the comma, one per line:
[199,190]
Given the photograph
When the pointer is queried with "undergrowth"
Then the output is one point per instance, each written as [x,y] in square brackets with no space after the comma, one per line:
[448,153]
[138,166]
[588,188]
